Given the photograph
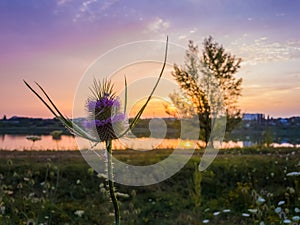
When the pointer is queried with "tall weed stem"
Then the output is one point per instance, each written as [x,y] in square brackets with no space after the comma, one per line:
[111,182]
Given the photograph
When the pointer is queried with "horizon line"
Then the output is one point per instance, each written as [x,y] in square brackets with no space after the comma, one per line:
[45,118]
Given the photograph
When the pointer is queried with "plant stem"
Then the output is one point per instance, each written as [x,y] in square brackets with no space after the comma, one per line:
[111,181]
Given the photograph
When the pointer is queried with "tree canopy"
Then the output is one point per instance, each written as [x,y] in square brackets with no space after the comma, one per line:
[208,87]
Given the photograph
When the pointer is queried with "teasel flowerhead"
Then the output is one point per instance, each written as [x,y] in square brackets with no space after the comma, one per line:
[105,119]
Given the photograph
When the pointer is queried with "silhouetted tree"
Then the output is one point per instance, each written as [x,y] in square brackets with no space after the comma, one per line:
[208,86]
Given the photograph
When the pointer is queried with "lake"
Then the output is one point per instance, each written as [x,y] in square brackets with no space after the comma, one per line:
[67,142]
[20,142]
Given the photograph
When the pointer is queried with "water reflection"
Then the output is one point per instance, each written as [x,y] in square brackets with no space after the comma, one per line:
[66,142]
[47,142]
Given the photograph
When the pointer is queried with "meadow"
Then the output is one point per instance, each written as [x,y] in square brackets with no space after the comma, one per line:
[255,185]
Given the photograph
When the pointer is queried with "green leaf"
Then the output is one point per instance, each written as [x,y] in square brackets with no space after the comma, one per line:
[140,112]
[74,128]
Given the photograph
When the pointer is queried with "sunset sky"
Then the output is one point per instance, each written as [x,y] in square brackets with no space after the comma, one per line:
[55,41]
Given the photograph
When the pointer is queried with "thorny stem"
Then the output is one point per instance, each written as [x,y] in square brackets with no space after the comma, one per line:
[111,181]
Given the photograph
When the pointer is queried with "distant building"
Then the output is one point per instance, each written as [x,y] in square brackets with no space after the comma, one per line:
[283,121]
[257,117]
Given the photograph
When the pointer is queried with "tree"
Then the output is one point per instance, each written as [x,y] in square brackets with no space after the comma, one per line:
[207,84]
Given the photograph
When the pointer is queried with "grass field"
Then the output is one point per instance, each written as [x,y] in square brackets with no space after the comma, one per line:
[242,186]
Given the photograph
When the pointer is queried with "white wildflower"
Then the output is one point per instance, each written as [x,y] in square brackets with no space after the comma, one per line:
[216,213]
[277,210]
[252,210]
[296,218]
[79,213]
[9,192]
[124,195]
[281,203]
[102,190]
[30,222]
[293,174]
[226,210]
[260,200]
[2,209]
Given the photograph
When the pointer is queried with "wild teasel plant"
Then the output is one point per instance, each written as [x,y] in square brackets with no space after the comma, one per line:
[105,120]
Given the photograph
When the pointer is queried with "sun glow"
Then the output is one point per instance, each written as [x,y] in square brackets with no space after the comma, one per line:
[157,107]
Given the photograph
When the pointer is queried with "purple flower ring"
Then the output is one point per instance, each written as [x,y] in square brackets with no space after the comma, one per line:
[105,119]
